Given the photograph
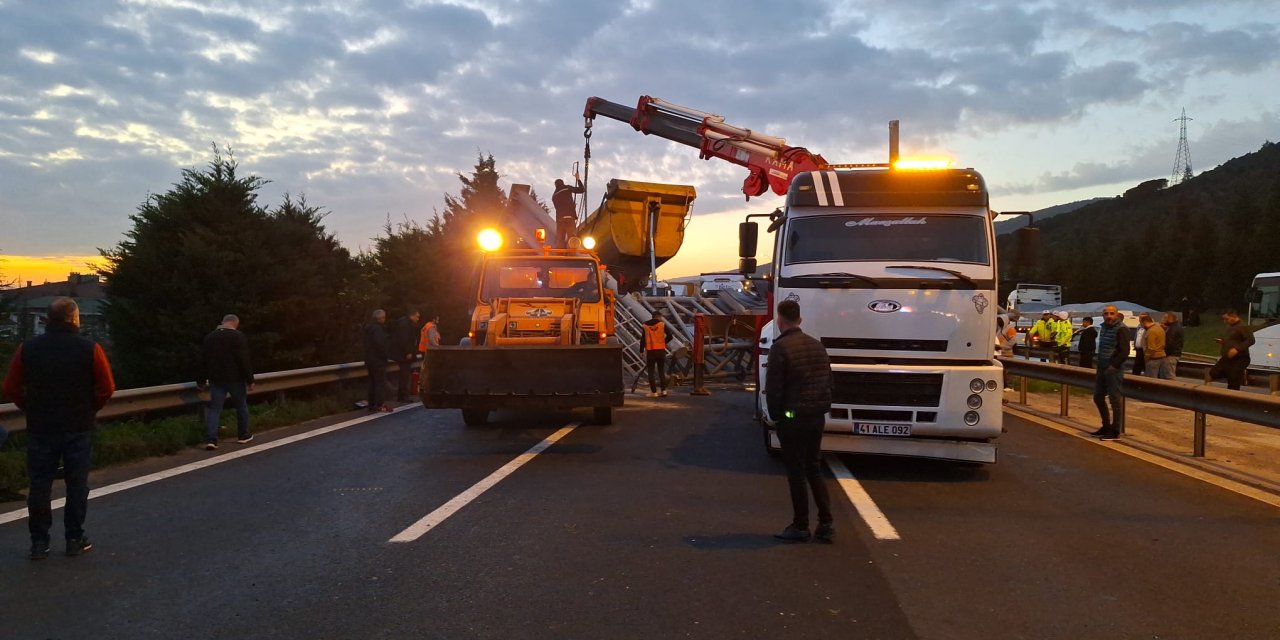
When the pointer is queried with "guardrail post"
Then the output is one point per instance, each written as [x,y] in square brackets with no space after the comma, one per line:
[699,353]
[1197,447]
[1065,395]
[1022,390]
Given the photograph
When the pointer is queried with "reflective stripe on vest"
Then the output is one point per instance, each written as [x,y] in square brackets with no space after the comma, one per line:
[655,338]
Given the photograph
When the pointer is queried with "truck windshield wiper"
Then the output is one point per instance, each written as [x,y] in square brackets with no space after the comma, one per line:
[953,272]
[843,274]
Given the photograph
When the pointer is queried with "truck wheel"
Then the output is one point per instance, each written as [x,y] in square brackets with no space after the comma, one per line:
[475,417]
[603,415]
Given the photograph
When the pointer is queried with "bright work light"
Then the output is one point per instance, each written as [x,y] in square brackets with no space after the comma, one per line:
[490,240]
[588,243]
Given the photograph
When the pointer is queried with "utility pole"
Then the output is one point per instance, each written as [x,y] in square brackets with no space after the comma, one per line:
[1182,161]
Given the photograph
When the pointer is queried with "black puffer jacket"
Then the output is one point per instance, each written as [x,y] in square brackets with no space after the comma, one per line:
[799,376]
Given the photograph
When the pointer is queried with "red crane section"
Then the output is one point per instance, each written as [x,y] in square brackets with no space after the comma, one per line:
[771,163]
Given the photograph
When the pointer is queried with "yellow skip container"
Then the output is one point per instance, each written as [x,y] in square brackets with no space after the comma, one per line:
[621,227]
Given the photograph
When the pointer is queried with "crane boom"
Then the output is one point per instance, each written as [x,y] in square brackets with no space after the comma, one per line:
[771,162]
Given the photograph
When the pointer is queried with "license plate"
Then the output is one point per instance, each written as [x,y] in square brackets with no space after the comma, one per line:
[881,429]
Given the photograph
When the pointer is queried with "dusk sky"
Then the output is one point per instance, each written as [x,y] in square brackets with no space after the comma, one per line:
[369,109]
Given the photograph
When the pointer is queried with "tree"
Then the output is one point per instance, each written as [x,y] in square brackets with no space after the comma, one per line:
[432,266]
[206,248]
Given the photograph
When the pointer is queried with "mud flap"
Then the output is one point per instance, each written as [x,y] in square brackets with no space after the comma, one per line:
[510,376]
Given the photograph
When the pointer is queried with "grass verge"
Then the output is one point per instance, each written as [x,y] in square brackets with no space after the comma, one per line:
[125,441]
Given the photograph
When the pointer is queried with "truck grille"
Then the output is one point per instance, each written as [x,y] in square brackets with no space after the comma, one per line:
[887,389]
[551,330]
[885,344]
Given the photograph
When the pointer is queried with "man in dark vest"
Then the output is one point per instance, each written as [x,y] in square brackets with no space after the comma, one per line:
[60,380]
[1088,343]
[377,352]
[798,387]
[1113,350]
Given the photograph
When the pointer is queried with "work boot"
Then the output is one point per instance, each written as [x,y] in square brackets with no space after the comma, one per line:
[39,550]
[793,534]
[77,546]
[824,533]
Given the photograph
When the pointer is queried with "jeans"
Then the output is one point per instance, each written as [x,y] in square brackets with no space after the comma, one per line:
[44,452]
[239,400]
[404,380]
[655,361]
[1107,387]
[1163,368]
[1233,369]
[801,440]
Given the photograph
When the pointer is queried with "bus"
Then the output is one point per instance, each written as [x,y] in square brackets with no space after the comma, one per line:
[1264,300]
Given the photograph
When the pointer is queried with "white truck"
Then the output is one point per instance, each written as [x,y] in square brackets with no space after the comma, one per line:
[895,273]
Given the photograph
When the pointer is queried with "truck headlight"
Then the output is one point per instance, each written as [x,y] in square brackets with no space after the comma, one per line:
[974,401]
[976,385]
[971,418]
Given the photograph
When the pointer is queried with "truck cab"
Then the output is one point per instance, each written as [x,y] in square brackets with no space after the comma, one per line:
[895,273]
[551,296]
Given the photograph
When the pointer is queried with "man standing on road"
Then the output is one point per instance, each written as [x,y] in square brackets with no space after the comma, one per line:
[60,380]
[1234,362]
[1113,350]
[1155,353]
[1173,342]
[404,342]
[655,355]
[1062,338]
[798,391]
[1088,342]
[1140,349]
[377,351]
[226,370]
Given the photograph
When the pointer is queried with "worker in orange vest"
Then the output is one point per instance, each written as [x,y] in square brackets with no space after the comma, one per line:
[430,335]
[655,355]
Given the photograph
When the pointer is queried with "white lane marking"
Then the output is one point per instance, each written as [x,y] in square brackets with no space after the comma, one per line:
[442,513]
[1233,486]
[249,450]
[881,528]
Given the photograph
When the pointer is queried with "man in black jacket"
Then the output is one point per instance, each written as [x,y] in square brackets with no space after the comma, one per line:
[377,351]
[59,380]
[1113,350]
[227,371]
[404,343]
[1088,342]
[1174,341]
[1235,343]
[798,391]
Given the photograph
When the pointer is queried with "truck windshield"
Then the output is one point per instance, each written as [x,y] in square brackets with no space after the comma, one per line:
[880,237]
[541,279]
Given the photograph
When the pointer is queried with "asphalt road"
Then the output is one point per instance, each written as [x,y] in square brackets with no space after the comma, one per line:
[656,527]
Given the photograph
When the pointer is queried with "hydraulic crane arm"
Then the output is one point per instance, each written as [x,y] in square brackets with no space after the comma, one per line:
[772,164]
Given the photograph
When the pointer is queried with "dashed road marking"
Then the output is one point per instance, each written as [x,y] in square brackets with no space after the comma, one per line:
[442,513]
[880,526]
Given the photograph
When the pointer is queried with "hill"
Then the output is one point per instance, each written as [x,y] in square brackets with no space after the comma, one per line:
[1203,239]
[1009,226]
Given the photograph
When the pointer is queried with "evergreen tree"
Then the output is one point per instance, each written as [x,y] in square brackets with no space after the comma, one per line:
[206,248]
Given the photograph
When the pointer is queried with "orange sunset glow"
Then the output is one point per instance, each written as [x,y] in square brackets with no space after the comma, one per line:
[17,271]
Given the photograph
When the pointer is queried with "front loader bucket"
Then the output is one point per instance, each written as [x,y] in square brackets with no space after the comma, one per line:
[513,376]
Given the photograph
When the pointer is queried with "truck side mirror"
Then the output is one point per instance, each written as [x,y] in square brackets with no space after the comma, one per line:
[1028,242]
[748,232]
[746,266]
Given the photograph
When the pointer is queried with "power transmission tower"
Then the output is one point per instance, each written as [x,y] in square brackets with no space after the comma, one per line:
[1182,161]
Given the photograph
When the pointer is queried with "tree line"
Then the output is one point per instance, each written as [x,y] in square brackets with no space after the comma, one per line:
[1202,240]
[207,247]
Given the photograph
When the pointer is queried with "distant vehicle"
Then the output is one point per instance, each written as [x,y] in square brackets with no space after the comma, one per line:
[1034,297]
[1264,300]
[713,283]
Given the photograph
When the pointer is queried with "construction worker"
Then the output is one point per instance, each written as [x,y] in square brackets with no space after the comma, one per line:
[566,210]
[655,355]
[1062,338]
[430,335]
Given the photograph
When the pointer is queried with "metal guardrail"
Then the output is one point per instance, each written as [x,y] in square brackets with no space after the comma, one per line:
[173,396]
[1202,400]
